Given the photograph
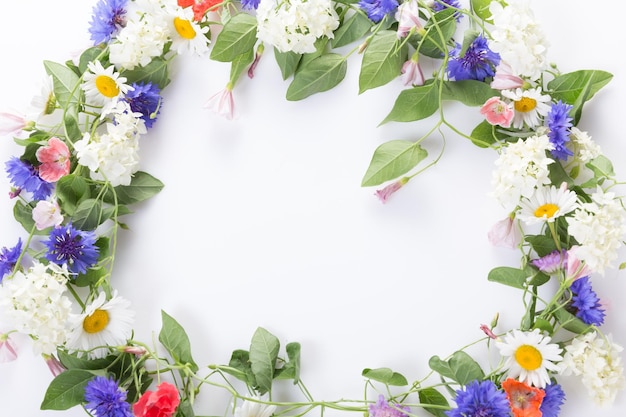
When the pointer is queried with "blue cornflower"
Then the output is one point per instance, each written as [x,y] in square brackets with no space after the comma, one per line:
[9,257]
[105,398]
[559,122]
[383,409]
[145,99]
[76,248]
[478,63]
[377,9]
[551,404]
[108,17]
[480,398]
[439,5]
[585,302]
[24,176]
[250,4]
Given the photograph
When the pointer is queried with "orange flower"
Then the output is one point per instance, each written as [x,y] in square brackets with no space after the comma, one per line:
[199,7]
[524,399]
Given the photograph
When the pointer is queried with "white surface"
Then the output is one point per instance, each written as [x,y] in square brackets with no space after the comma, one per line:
[262,221]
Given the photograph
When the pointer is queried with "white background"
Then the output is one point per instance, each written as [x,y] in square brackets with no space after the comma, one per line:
[262,221]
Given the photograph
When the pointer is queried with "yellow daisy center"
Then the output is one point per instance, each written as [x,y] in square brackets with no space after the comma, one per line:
[96,322]
[525,104]
[184,28]
[107,86]
[528,357]
[547,210]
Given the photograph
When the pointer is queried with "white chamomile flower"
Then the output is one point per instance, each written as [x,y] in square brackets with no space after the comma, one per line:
[529,106]
[103,323]
[530,356]
[103,86]
[547,204]
[188,37]
[254,409]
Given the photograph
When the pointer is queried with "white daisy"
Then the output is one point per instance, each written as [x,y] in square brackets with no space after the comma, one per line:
[254,409]
[103,86]
[529,106]
[104,324]
[530,356]
[188,37]
[547,204]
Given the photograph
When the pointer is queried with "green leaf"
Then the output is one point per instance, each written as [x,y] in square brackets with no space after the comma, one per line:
[88,214]
[142,187]
[70,123]
[541,244]
[430,396]
[287,62]
[239,367]
[156,72]
[66,390]
[351,30]
[602,167]
[513,277]
[240,64]
[319,75]
[71,190]
[571,322]
[386,376]
[382,60]
[237,37]
[88,55]
[174,338]
[439,29]
[413,104]
[485,135]
[72,361]
[460,368]
[568,87]
[263,354]
[481,9]
[468,92]
[291,370]
[23,213]
[65,83]
[185,409]
[91,277]
[543,325]
[392,159]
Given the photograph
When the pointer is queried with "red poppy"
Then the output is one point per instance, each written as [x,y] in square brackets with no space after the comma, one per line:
[199,7]
[524,399]
[161,403]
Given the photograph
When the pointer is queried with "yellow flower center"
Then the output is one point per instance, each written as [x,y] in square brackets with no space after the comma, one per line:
[96,322]
[528,357]
[525,104]
[184,28]
[547,210]
[107,86]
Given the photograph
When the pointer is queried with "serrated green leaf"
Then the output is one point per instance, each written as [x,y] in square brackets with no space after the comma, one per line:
[237,37]
[65,83]
[430,396]
[468,92]
[352,29]
[287,62]
[174,338]
[460,368]
[66,390]
[88,214]
[319,75]
[386,376]
[263,354]
[506,275]
[142,187]
[392,159]
[413,104]
[382,60]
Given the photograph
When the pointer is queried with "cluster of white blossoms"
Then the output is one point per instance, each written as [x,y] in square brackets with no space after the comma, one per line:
[597,359]
[35,304]
[521,167]
[113,154]
[295,25]
[518,38]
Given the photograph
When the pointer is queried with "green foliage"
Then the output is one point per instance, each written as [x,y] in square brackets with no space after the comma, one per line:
[237,37]
[382,60]
[392,159]
[66,390]
[319,75]
[386,376]
[460,368]
[430,396]
[174,338]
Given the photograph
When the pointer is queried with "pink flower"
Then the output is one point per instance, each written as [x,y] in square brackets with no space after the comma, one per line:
[257,58]
[488,331]
[505,79]
[384,193]
[55,160]
[412,73]
[161,403]
[505,234]
[222,103]
[7,348]
[497,112]
[47,214]
[54,365]
[575,267]
[407,16]
[12,124]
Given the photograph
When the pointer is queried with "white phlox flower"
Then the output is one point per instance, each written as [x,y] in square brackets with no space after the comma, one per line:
[254,409]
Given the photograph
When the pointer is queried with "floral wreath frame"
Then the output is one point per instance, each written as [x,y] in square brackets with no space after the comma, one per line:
[127,364]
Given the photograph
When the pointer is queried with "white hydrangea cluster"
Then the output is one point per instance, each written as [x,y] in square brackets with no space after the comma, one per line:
[521,167]
[295,25]
[599,227]
[114,154]
[518,38]
[585,149]
[35,304]
[597,359]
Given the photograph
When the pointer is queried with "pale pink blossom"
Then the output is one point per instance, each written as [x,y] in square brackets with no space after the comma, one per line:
[7,348]
[504,78]
[257,58]
[407,16]
[488,331]
[222,103]
[505,233]
[54,365]
[55,160]
[12,124]
[47,214]
[412,73]
[384,193]
[135,350]
[497,112]
[575,267]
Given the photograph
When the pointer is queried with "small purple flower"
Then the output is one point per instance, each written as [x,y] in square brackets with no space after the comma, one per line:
[250,4]
[9,257]
[480,398]
[105,398]
[24,176]
[585,302]
[108,17]
[552,262]
[145,98]
[559,122]
[383,409]
[377,9]
[551,404]
[439,5]
[76,248]
[478,62]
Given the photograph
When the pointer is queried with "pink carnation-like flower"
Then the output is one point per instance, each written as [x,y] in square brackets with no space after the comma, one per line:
[505,234]
[497,112]
[55,160]
[160,403]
